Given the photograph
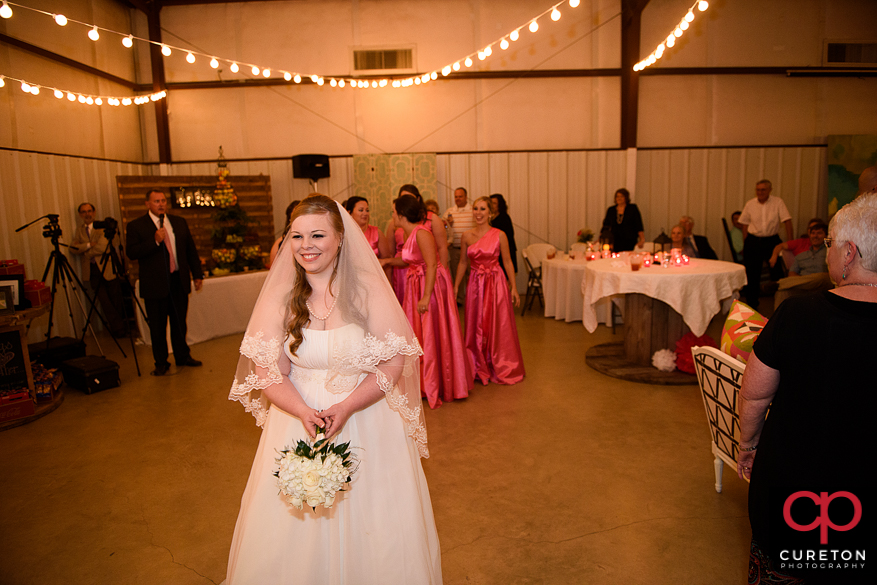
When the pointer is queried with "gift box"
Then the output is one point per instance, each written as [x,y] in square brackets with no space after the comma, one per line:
[46,382]
[11,267]
[37,293]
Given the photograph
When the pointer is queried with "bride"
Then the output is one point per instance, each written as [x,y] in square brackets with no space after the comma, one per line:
[328,346]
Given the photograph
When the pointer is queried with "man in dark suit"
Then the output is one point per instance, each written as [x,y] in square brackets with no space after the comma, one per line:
[166,252]
[698,243]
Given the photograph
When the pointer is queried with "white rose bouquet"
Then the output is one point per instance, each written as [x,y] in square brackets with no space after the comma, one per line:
[314,473]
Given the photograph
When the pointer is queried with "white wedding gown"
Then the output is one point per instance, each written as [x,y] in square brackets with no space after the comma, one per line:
[380,531]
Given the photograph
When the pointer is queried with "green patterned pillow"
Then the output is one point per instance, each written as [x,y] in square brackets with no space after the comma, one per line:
[742,328]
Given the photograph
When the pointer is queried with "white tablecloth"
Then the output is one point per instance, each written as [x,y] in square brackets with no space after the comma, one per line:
[562,288]
[222,307]
[695,291]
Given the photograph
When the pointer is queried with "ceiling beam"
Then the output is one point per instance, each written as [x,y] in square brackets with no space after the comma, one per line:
[631,17]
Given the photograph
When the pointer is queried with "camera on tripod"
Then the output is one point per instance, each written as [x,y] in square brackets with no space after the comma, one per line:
[109,225]
[51,229]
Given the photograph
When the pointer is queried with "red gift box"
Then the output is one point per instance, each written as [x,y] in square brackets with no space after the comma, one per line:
[37,293]
[11,267]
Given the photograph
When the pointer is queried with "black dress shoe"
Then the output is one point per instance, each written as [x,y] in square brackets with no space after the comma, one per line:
[189,361]
[160,370]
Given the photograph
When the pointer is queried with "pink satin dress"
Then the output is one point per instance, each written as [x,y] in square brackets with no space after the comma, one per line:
[373,236]
[491,334]
[399,274]
[444,369]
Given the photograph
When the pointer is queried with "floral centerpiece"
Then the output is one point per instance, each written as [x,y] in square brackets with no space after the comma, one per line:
[314,473]
[584,236]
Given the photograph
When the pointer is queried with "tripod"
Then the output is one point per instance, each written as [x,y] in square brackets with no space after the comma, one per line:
[111,256]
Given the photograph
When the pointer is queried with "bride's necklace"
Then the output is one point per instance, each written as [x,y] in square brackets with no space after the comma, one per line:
[857,284]
[311,310]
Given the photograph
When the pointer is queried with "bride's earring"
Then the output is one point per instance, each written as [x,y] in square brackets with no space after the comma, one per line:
[844,274]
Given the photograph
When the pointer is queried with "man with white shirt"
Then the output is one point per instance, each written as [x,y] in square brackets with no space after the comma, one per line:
[761,221]
[461,219]
[168,260]
[90,244]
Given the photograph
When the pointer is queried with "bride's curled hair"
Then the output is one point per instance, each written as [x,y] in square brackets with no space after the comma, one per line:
[299,316]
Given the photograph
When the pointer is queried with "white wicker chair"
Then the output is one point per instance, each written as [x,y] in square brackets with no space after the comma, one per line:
[720,377]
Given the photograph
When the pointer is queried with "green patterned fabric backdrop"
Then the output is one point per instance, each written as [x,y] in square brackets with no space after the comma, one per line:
[377,177]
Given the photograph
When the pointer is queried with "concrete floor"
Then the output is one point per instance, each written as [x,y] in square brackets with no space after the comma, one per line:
[569,477]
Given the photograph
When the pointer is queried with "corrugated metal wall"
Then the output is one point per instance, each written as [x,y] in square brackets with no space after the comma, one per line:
[551,195]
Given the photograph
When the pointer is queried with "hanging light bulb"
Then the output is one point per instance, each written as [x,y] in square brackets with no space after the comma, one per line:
[166,51]
[2,81]
[534,26]
[555,14]
[396,83]
[314,78]
[433,75]
[374,84]
[99,101]
[320,81]
[190,57]
[416,81]
[126,102]
[287,76]
[214,62]
[684,25]
[234,67]
[255,70]
[266,73]
[93,34]
[481,55]
[128,41]
[383,82]
[677,32]
[488,51]
[574,3]
[504,44]
[333,83]
[5,12]
[425,77]
[689,16]
[71,97]
[60,19]
[89,100]
[25,87]
[341,83]
[514,36]
[297,78]
[468,62]
[35,90]
[446,70]
[59,94]
[81,99]
[702,5]
[671,40]
[456,66]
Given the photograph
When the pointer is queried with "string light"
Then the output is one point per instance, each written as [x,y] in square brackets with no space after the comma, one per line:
[167,50]
[670,41]
[297,78]
[287,76]
[82,98]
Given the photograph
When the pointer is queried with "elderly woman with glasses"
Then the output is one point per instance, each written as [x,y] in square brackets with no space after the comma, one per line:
[813,367]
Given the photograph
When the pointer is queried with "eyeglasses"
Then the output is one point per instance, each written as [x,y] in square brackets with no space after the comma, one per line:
[830,241]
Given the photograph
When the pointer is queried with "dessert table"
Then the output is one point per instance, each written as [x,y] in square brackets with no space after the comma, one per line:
[661,304]
[222,307]
[562,288]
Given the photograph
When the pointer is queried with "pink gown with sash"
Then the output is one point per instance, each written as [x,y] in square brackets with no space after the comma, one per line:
[400,275]
[491,334]
[445,371]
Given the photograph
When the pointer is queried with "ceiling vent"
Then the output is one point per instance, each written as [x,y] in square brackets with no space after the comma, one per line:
[850,53]
[378,60]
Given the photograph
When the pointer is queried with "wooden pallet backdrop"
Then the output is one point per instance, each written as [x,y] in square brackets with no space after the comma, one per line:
[254,197]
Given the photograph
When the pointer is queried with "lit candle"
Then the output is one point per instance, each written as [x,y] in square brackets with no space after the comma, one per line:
[685,260]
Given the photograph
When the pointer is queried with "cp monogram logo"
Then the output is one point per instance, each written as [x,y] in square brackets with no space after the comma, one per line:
[822,521]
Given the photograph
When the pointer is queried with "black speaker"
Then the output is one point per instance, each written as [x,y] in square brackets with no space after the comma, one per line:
[310,166]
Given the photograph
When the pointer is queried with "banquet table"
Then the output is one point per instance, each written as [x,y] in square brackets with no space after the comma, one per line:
[562,287]
[693,294]
[222,307]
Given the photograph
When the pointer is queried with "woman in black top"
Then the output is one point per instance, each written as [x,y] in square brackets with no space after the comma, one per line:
[502,221]
[813,367]
[625,223]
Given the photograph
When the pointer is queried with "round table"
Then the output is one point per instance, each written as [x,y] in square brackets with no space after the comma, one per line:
[562,287]
[661,304]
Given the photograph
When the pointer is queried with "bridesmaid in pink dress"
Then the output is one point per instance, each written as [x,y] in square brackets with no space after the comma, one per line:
[491,334]
[358,209]
[431,308]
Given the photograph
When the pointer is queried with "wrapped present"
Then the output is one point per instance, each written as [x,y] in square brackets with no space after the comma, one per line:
[37,293]
[11,267]
[46,382]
